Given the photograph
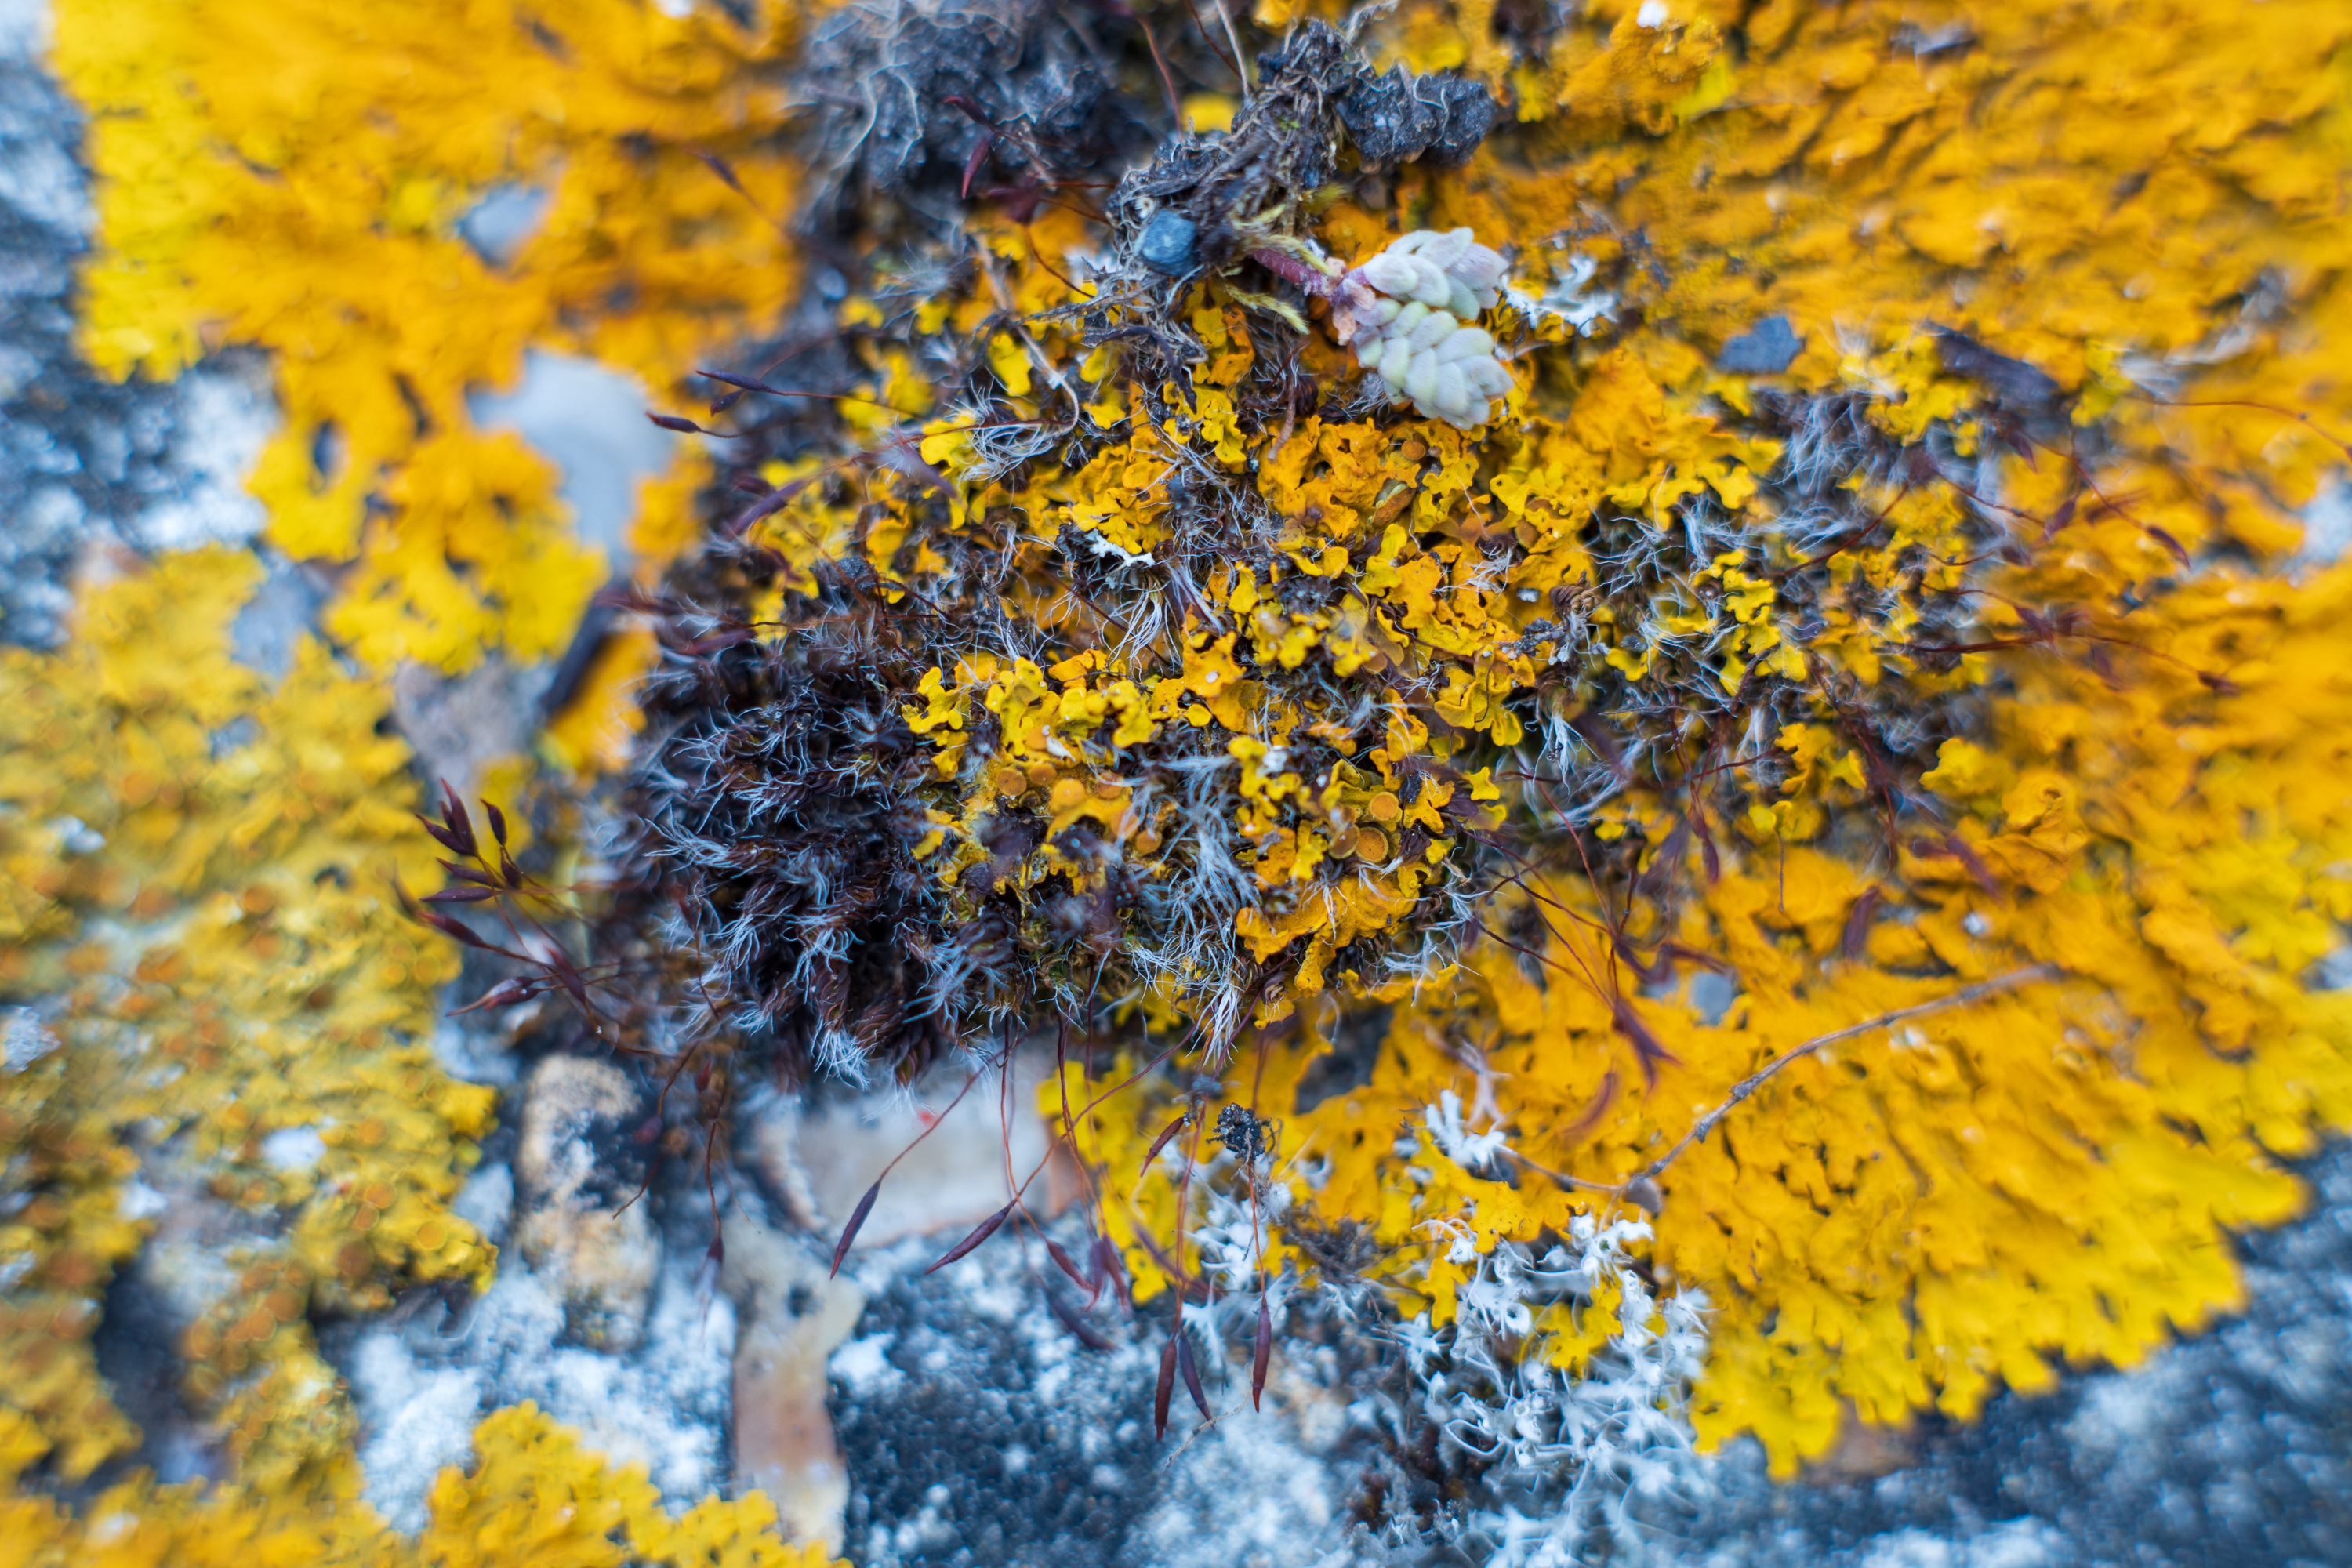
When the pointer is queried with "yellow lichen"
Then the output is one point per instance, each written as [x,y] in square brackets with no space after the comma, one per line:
[2151,805]
[2086,188]
[533,1497]
[2142,199]
[219,930]
[294,179]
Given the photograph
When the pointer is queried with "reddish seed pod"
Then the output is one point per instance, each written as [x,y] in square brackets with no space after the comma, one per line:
[747,483]
[450,928]
[724,170]
[505,993]
[509,871]
[461,895]
[1855,944]
[1109,1268]
[849,1232]
[1165,1389]
[497,822]
[973,111]
[1191,1373]
[1062,1260]
[985,1229]
[560,963]
[1261,1352]
[972,165]
[444,837]
[687,427]
[453,814]
[1650,1051]
[1161,1142]
[1076,1325]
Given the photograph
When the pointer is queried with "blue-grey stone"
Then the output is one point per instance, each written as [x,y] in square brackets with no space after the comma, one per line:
[1167,245]
[1765,349]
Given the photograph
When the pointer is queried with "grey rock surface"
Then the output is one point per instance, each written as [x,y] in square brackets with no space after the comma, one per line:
[981,1433]
[579,1172]
[590,421]
[2234,1446]
[90,465]
[978,1431]
[423,1375]
[793,1312]
[422,1380]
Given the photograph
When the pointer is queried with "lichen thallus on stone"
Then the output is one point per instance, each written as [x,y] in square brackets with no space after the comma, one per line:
[1731,267]
[1164,688]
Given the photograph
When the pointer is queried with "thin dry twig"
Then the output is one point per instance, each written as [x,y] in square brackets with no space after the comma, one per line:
[1614,1189]
[1705,1124]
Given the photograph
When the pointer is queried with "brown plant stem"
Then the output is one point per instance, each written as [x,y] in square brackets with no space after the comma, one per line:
[1648,1174]
[1705,1124]
[1291,268]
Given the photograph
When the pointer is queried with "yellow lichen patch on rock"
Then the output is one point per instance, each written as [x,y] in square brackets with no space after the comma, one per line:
[533,1496]
[2139,205]
[2117,340]
[298,178]
[199,870]
[2119,195]
[1878,579]
[1911,1215]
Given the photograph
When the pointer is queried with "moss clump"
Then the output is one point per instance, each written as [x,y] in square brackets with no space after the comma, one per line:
[1186,686]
